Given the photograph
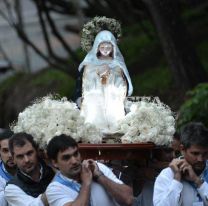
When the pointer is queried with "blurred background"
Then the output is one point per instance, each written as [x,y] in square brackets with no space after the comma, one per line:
[164,43]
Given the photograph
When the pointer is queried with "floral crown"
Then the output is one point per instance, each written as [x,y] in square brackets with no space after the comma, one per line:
[93,27]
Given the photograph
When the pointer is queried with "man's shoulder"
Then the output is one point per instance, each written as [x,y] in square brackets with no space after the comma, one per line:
[13,181]
[108,172]
[102,166]
[11,187]
[2,182]
[56,188]
[166,172]
[54,184]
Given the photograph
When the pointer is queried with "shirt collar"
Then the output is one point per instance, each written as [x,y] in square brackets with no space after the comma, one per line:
[41,173]
[4,169]
[204,174]
[66,178]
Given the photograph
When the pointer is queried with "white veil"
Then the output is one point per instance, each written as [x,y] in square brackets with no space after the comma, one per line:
[118,60]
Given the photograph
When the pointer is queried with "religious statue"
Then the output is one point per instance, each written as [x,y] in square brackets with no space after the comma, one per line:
[105,81]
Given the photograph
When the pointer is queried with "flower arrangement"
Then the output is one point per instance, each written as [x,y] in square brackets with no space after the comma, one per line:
[93,27]
[149,120]
[49,117]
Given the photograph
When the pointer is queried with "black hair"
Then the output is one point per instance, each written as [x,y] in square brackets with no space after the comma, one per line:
[20,139]
[59,143]
[177,136]
[5,134]
[194,133]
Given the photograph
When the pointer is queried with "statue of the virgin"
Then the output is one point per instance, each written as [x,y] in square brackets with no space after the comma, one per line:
[105,81]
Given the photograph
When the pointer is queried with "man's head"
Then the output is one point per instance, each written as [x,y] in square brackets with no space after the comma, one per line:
[64,153]
[25,152]
[5,154]
[194,145]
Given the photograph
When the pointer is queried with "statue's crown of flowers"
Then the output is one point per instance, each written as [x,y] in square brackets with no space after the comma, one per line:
[93,27]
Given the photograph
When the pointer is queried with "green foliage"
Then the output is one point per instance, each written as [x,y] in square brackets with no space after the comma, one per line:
[156,79]
[80,55]
[139,48]
[196,107]
[142,27]
[9,81]
[65,84]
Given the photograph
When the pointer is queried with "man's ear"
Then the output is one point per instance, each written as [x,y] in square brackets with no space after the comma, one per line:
[54,163]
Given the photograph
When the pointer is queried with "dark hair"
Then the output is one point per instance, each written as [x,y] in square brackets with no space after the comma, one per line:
[5,134]
[20,139]
[194,133]
[59,143]
[177,136]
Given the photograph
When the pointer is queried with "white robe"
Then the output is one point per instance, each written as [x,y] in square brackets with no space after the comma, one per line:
[103,99]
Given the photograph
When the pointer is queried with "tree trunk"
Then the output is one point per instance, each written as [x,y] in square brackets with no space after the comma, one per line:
[181,56]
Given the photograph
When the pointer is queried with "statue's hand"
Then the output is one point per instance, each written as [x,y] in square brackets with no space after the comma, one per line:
[104,73]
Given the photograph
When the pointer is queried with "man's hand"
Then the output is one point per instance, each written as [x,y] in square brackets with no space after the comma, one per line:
[189,174]
[175,166]
[92,165]
[86,173]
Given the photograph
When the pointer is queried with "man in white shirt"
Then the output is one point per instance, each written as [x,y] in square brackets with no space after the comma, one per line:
[7,165]
[33,175]
[185,181]
[82,183]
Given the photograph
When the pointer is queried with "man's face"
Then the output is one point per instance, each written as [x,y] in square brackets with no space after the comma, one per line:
[5,154]
[26,158]
[68,162]
[196,156]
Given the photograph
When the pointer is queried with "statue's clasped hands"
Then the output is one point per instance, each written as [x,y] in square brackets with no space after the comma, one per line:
[104,73]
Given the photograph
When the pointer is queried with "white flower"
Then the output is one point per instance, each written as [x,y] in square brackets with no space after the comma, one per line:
[48,117]
[149,120]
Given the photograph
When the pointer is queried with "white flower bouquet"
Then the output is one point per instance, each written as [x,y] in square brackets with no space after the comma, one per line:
[50,117]
[148,120]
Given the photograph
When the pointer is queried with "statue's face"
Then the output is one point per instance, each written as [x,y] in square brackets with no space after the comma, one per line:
[105,48]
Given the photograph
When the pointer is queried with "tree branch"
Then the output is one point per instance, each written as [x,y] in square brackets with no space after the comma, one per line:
[58,36]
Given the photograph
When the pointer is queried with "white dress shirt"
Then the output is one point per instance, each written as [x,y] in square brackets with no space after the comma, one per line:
[4,177]
[170,192]
[59,194]
[2,186]
[17,197]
